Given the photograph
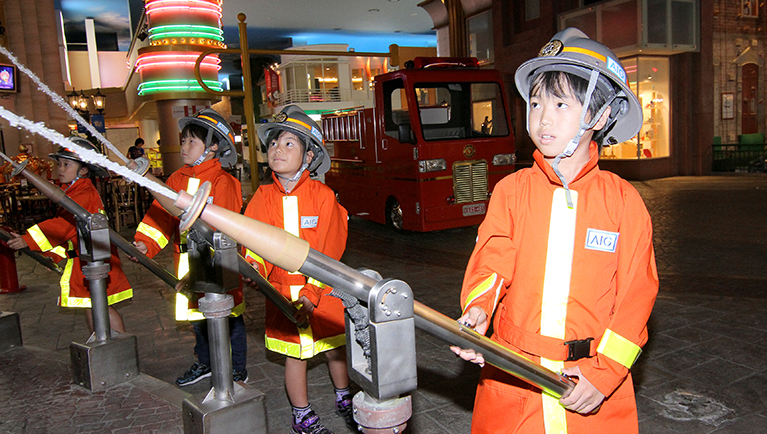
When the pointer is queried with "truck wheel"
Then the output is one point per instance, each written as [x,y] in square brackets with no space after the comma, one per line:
[394,214]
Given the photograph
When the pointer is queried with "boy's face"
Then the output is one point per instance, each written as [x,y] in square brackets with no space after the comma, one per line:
[192,147]
[554,121]
[285,155]
[68,170]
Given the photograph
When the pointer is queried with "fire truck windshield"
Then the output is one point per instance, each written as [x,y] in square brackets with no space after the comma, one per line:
[450,111]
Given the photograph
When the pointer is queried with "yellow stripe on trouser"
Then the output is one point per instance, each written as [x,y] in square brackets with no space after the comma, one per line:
[619,348]
[291,225]
[556,290]
[183,312]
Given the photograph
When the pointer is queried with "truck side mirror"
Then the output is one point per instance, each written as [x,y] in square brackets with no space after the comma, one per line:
[405,134]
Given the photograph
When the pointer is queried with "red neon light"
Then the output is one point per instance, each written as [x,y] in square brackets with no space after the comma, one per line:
[173,5]
[145,66]
[179,59]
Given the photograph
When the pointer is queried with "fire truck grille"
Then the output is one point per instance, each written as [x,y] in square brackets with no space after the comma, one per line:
[470,181]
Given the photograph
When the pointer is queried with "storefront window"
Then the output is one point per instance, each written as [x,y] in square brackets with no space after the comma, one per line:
[480,34]
[649,79]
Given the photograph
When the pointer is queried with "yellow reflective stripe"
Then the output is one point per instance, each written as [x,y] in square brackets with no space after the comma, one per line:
[483,287]
[290,214]
[306,336]
[39,238]
[120,296]
[556,292]
[619,348]
[183,265]
[239,309]
[183,313]
[559,264]
[60,251]
[182,308]
[294,290]
[316,282]
[64,299]
[294,350]
[153,233]
[192,186]
[250,255]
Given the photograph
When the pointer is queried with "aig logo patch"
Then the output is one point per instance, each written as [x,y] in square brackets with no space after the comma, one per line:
[601,240]
[309,222]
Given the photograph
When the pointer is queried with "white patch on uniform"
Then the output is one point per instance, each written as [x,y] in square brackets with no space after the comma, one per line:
[309,222]
[601,240]
[209,200]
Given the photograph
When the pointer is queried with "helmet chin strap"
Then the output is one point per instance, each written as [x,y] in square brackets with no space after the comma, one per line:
[293,178]
[584,126]
[205,153]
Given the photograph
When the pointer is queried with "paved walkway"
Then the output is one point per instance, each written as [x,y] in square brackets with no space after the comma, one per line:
[702,371]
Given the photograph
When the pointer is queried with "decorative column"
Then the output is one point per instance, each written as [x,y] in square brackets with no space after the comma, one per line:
[179,30]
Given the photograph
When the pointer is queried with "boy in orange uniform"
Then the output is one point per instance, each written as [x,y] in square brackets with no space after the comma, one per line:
[207,143]
[564,263]
[59,236]
[308,209]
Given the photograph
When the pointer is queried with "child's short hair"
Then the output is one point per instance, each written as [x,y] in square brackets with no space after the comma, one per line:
[197,131]
[275,134]
[211,128]
[563,84]
[295,120]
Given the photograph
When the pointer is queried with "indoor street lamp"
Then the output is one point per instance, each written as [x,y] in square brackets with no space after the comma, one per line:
[99,101]
[72,99]
[82,102]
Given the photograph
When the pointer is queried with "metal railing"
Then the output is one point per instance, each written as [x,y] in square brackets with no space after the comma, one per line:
[735,157]
[295,96]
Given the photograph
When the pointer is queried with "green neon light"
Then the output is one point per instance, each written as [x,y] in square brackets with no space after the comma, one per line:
[176,86]
[180,31]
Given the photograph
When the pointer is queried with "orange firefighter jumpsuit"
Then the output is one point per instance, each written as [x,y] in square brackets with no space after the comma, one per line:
[157,226]
[310,212]
[59,236]
[549,274]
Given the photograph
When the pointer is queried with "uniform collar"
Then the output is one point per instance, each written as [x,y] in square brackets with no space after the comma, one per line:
[79,182]
[205,166]
[301,180]
[590,167]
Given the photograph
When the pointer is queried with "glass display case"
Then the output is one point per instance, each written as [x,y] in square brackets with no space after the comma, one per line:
[649,79]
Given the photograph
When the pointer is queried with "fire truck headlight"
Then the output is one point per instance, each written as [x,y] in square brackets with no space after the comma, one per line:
[432,165]
[504,159]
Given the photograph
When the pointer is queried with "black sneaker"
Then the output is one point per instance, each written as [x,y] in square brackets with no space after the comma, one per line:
[345,409]
[310,424]
[197,372]
[240,376]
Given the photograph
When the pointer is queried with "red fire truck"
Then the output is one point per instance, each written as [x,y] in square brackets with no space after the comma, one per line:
[428,154]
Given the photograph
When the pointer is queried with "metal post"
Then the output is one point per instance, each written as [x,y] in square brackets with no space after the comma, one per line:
[93,240]
[216,308]
[228,406]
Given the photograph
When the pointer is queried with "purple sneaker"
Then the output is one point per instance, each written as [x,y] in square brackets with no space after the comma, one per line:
[310,424]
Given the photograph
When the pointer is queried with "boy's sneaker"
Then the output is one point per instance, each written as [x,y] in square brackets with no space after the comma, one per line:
[310,424]
[197,372]
[345,409]
[240,376]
